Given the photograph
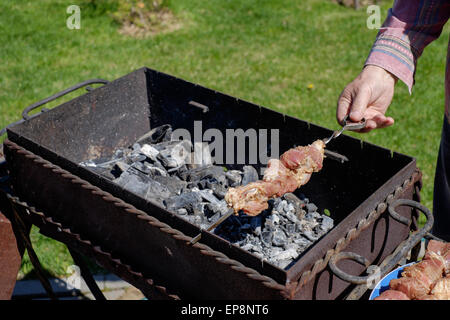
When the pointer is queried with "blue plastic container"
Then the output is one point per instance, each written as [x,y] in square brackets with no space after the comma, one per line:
[383,284]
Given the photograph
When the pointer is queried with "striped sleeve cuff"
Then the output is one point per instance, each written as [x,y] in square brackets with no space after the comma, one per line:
[396,56]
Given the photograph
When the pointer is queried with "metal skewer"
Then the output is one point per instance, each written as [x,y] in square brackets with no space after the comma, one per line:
[215,224]
[347,126]
[334,155]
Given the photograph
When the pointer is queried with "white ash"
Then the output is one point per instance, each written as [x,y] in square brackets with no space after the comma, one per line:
[151,169]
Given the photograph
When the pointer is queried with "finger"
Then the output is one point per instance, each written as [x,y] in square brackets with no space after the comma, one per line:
[343,106]
[359,104]
[370,125]
[382,121]
[387,123]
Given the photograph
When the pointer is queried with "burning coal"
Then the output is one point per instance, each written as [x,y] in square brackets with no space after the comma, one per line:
[159,169]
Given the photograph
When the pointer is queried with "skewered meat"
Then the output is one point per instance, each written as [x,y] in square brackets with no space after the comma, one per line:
[292,170]
[425,280]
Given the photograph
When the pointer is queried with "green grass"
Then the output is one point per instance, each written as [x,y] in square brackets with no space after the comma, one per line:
[264,51]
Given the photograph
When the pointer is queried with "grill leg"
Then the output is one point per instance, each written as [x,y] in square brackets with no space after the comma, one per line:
[86,274]
[23,232]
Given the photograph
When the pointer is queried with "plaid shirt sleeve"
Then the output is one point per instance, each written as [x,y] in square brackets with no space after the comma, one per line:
[410,26]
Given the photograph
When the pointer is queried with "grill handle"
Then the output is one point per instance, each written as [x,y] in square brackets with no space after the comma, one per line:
[26,116]
[377,272]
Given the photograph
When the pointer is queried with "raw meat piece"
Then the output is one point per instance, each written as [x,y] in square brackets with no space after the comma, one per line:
[440,248]
[392,295]
[412,287]
[441,289]
[425,280]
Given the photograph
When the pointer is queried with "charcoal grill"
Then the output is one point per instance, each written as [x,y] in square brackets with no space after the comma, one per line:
[150,246]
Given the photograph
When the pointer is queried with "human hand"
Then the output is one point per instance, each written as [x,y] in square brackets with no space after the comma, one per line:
[368,96]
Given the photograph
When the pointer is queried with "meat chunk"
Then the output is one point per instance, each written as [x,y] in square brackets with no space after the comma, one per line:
[305,157]
[283,175]
[441,249]
[251,198]
[418,279]
[411,287]
[441,289]
[426,279]
[392,295]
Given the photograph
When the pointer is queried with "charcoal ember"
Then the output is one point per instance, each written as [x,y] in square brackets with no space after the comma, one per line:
[180,172]
[327,223]
[257,248]
[287,254]
[150,152]
[119,167]
[198,209]
[155,163]
[257,231]
[309,234]
[273,252]
[177,170]
[250,175]
[292,217]
[266,238]
[142,185]
[132,176]
[133,157]
[196,185]
[256,225]
[279,238]
[185,200]
[159,134]
[302,242]
[248,246]
[182,211]
[157,192]
[200,173]
[234,177]
[136,147]
[173,183]
[217,205]
[312,216]
[197,219]
[218,190]
[174,156]
[119,154]
[289,228]
[168,145]
[155,171]
[274,219]
[279,206]
[209,196]
[88,163]
[311,207]
[141,167]
[211,215]
[292,198]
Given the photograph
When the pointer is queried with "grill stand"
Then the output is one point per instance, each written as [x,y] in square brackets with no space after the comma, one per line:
[29,215]
[25,215]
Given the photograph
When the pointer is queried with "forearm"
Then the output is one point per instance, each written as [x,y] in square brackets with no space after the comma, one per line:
[410,26]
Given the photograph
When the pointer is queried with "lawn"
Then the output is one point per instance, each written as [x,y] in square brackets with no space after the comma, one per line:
[292,56]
